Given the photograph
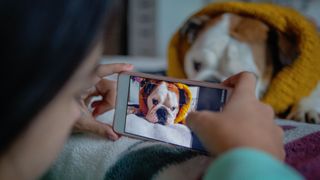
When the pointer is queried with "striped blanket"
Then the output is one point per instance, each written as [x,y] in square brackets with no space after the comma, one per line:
[91,157]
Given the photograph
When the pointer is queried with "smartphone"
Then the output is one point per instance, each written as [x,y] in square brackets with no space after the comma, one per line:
[155,107]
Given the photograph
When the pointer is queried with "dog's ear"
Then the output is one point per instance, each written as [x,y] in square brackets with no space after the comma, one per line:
[183,98]
[288,49]
[248,29]
[148,85]
[143,82]
[192,27]
[282,49]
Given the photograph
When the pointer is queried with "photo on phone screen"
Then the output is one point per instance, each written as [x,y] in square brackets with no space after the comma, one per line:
[157,109]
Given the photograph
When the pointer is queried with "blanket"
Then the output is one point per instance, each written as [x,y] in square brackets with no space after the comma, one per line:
[175,133]
[90,157]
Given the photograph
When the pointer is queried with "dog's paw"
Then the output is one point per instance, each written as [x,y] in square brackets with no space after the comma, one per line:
[308,116]
[308,109]
[303,114]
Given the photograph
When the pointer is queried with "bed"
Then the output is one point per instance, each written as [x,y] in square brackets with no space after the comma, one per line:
[91,157]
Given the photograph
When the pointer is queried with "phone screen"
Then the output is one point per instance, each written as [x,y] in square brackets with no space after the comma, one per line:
[157,109]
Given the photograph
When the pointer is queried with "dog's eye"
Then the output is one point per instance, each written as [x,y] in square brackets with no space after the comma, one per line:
[173,108]
[197,65]
[155,102]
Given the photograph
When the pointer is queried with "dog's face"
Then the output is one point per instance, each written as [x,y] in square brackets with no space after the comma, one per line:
[227,45]
[162,102]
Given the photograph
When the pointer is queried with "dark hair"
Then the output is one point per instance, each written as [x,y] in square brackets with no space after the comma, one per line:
[43,42]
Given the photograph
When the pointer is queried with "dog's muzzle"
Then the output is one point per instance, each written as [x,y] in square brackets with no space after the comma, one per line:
[162,115]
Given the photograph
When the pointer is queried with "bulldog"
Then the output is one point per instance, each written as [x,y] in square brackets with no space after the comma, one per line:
[229,43]
[161,102]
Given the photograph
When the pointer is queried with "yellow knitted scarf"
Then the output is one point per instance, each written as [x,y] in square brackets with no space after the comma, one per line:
[185,107]
[292,82]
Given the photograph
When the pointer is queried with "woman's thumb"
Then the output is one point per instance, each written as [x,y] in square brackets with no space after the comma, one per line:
[103,130]
[90,125]
[198,122]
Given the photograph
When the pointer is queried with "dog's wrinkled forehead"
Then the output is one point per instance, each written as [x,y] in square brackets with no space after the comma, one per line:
[150,85]
[164,87]
[193,26]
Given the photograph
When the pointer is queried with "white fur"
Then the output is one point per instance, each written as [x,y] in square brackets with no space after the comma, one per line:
[309,106]
[221,55]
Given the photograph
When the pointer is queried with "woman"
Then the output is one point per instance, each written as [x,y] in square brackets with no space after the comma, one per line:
[51,49]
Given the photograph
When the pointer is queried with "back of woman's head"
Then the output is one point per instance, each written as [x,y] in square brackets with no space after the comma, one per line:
[43,42]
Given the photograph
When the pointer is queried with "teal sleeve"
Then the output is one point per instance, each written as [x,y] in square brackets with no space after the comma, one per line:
[246,163]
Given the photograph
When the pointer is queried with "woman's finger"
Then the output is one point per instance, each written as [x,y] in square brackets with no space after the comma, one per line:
[108,69]
[198,121]
[107,90]
[104,87]
[103,130]
[102,107]
[89,125]
[243,83]
[90,94]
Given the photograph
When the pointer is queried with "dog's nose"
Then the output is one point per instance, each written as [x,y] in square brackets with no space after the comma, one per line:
[162,115]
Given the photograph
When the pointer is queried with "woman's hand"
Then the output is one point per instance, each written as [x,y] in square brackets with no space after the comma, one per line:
[107,90]
[244,122]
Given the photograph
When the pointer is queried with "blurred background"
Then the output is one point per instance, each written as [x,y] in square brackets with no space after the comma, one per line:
[140,30]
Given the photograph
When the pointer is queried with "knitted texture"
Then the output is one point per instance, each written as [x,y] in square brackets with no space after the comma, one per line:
[185,107]
[293,82]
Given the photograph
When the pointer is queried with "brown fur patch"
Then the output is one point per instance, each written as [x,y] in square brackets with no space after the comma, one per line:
[255,34]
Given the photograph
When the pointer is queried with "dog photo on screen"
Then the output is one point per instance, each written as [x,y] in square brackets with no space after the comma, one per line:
[157,109]
[163,102]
